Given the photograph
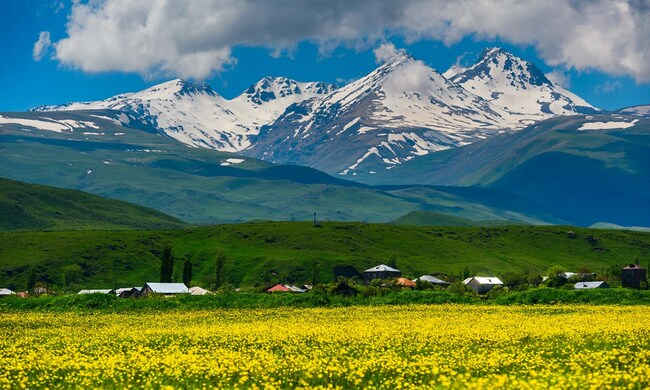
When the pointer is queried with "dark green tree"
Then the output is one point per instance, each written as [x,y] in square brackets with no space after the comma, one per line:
[31,279]
[187,272]
[220,269]
[315,271]
[166,265]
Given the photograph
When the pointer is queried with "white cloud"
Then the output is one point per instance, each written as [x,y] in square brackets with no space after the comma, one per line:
[560,78]
[385,52]
[608,87]
[193,38]
[42,46]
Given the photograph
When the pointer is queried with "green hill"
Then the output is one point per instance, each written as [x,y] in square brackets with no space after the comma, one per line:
[581,176]
[261,253]
[36,207]
[432,218]
[204,186]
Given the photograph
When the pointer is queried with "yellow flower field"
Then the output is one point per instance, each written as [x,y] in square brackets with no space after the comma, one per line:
[443,346]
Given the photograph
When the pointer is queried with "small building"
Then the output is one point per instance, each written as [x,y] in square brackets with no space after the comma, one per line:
[277,288]
[433,280]
[404,282]
[128,292]
[5,292]
[97,291]
[295,289]
[571,234]
[482,284]
[167,289]
[590,285]
[633,275]
[196,290]
[381,271]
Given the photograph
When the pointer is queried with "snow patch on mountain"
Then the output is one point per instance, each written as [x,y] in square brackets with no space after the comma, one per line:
[49,124]
[607,125]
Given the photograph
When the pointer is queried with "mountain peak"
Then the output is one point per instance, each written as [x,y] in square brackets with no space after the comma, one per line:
[272,88]
[496,61]
[180,87]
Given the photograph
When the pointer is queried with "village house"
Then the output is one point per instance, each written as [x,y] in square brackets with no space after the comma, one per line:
[404,282]
[381,271]
[167,289]
[482,284]
[433,280]
[97,291]
[590,285]
[199,291]
[277,288]
[632,276]
[128,292]
[5,292]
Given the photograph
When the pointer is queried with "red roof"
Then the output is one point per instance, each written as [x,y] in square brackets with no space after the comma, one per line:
[406,282]
[278,288]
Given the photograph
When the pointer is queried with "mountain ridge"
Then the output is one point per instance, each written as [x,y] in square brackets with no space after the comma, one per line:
[400,111]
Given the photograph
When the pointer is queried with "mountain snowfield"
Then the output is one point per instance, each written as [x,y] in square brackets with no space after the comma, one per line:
[197,116]
[401,110]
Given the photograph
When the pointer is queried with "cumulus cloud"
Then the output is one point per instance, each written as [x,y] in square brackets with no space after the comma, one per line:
[42,46]
[194,38]
[385,52]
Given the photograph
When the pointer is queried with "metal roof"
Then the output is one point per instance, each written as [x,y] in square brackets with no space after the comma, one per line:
[6,291]
[294,288]
[483,280]
[199,291]
[431,279]
[278,287]
[382,268]
[96,292]
[588,285]
[167,288]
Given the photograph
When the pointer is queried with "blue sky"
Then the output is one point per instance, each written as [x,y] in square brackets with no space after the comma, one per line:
[237,57]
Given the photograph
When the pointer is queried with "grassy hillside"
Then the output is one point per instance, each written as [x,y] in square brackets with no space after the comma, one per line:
[432,218]
[204,186]
[261,253]
[36,207]
[581,176]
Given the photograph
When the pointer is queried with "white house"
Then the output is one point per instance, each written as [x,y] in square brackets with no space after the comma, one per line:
[168,289]
[482,284]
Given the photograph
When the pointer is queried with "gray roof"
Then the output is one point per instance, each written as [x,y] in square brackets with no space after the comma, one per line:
[96,292]
[588,285]
[382,268]
[168,288]
[6,291]
[431,279]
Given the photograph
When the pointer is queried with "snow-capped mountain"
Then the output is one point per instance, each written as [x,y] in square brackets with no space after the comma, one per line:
[400,110]
[517,88]
[196,115]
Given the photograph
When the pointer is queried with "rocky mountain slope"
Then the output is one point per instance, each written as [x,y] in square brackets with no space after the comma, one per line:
[398,112]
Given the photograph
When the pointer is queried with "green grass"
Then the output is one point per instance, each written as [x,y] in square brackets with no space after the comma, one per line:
[29,206]
[262,253]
